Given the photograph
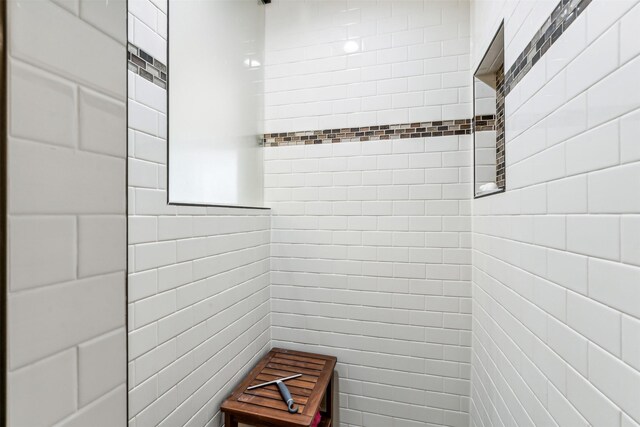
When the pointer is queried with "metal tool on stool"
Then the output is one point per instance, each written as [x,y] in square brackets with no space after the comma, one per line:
[284,391]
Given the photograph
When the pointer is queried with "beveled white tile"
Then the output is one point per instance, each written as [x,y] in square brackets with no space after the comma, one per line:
[613,190]
[68,52]
[106,16]
[49,243]
[615,95]
[102,124]
[101,365]
[38,97]
[593,235]
[614,284]
[100,243]
[64,181]
[63,315]
[32,388]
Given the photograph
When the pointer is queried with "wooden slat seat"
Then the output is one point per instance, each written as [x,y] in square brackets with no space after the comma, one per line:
[264,406]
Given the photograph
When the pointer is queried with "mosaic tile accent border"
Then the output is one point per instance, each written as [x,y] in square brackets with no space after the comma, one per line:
[145,65]
[372,133]
[499,125]
[560,19]
[486,122]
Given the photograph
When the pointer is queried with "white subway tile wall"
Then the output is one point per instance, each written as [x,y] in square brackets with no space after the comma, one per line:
[372,264]
[67,213]
[371,240]
[350,63]
[198,296]
[555,271]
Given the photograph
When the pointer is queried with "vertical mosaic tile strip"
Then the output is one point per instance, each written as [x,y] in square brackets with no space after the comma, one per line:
[499,123]
[371,133]
[140,62]
[557,23]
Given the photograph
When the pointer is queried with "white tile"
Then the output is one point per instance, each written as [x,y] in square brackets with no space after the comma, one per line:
[592,404]
[107,411]
[597,61]
[63,315]
[567,121]
[70,52]
[143,394]
[629,35]
[593,150]
[613,190]
[593,235]
[151,95]
[161,4]
[407,69]
[72,6]
[148,40]
[440,97]
[567,195]
[142,285]
[627,421]
[602,14]
[629,129]
[616,380]
[571,346]
[45,392]
[145,11]
[101,365]
[154,308]
[615,95]
[142,174]
[102,124]
[151,255]
[550,231]
[66,181]
[562,411]
[568,270]
[631,341]
[630,236]
[162,25]
[143,118]
[550,297]
[567,47]
[615,285]
[41,98]
[101,240]
[130,19]
[597,322]
[47,242]
[106,16]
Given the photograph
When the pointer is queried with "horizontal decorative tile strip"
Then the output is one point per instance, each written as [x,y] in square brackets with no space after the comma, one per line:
[140,62]
[557,23]
[374,133]
[486,122]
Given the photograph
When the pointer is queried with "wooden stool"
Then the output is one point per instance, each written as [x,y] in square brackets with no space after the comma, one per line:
[264,407]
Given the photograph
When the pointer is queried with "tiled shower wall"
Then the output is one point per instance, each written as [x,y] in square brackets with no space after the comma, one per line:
[556,295]
[370,262]
[371,240]
[67,224]
[411,63]
[198,277]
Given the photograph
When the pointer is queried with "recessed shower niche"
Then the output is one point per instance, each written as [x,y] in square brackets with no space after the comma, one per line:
[215,95]
[488,107]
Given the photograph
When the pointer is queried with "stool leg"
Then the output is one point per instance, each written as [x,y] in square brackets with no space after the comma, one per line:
[329,398]
[230,421]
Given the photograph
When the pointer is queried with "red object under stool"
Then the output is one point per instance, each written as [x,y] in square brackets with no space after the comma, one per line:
[316,420]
